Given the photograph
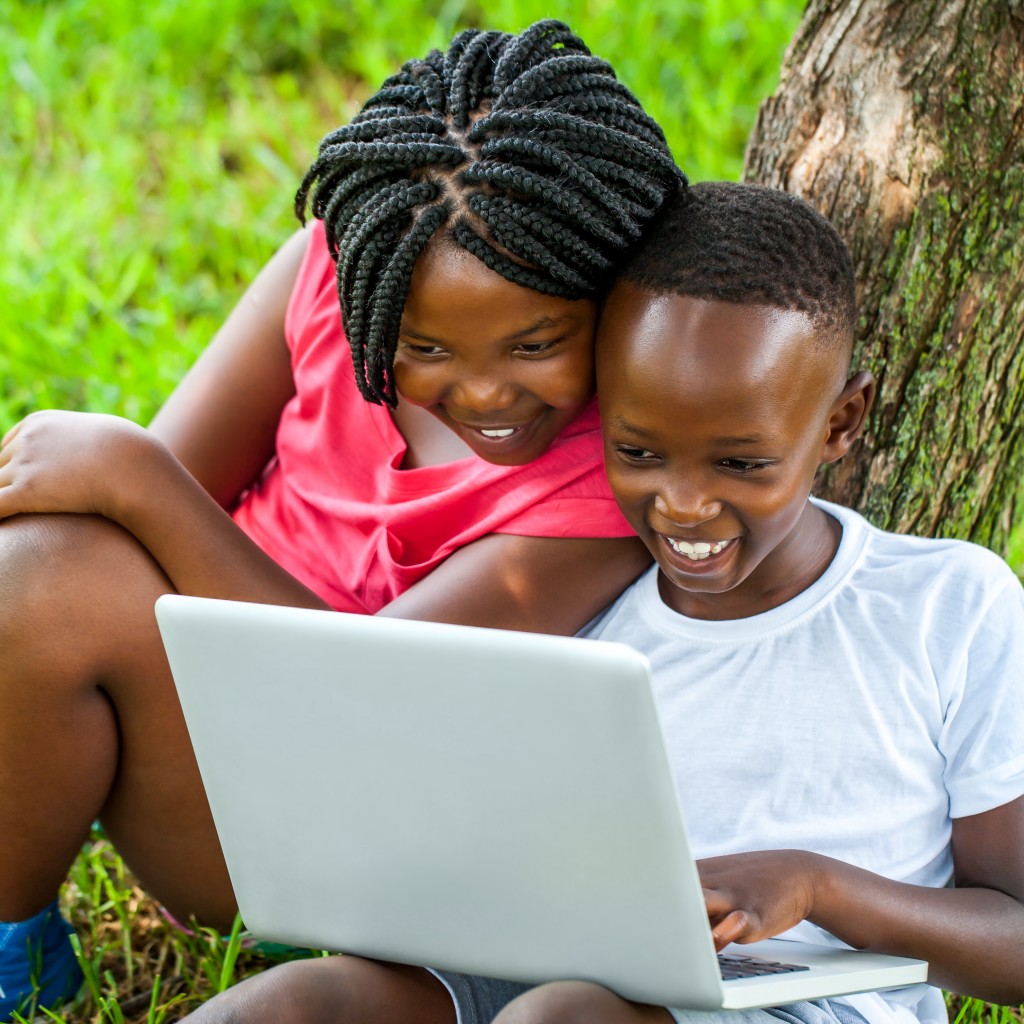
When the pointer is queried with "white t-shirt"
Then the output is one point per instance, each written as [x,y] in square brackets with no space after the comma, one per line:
[855,720]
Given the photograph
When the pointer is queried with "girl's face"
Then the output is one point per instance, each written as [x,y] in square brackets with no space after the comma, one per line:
[506,368]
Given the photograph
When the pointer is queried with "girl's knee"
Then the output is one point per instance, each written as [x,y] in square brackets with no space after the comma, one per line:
[56,568]
[331,990]
[38,552]
[76,600]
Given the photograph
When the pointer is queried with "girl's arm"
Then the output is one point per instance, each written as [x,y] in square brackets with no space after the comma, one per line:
[536,584]
[220,424]
[221,420]
[972,935]
[211,440]
[88,463]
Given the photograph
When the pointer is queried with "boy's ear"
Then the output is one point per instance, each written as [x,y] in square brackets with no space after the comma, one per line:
[848,415]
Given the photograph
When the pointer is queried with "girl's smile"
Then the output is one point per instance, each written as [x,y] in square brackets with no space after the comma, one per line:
[495,443]
[503,367]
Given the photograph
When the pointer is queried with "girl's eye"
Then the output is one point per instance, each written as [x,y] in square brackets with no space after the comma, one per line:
[425,351]
[631,453]
[535,348]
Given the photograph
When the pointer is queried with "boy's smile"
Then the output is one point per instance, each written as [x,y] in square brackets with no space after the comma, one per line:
[716,418]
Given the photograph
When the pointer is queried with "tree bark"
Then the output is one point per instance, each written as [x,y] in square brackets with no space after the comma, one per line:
[903,122]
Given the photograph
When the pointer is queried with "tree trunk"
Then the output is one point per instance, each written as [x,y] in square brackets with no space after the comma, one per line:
[903,122]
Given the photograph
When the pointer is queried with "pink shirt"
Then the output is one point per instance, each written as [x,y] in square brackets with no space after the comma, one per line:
[335,509]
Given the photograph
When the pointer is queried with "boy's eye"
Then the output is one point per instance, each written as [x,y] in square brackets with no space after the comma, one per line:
[632,453]
[743,465]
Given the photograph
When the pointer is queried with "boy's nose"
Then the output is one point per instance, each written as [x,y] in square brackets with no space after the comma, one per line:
[686,507]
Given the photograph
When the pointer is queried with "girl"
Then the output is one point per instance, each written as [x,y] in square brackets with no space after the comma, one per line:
[470,215]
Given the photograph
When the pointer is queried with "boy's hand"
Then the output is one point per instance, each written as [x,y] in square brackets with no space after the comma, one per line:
[752,896]
[69,462]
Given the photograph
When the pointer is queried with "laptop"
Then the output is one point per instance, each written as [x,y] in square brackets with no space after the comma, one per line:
[478,800]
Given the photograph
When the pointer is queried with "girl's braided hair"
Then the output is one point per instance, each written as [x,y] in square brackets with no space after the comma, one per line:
[526,148]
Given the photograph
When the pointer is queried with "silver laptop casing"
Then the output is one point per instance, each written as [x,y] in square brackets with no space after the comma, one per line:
[485,801]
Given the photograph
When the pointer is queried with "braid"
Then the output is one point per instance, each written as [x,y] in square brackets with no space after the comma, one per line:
[502,264]
[533,46]
[464,64]
[524,149]
[385,314]
[384,217]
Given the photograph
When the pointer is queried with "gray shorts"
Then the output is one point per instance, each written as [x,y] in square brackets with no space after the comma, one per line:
[478,1000]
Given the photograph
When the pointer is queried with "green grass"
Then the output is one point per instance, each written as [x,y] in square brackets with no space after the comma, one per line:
[150,153]
[141,970]
[139,967]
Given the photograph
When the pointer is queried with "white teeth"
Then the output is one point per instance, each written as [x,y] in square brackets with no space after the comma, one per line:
[499,433]
[696,552]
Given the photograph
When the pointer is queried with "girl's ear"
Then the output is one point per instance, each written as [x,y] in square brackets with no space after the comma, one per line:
[846,420]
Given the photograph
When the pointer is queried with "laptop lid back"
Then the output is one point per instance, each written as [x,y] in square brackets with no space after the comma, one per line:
[327,744]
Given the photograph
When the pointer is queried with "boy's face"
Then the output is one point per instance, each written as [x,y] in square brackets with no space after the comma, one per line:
[716,417]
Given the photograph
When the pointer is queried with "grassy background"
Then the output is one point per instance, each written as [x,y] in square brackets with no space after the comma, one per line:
[150,153]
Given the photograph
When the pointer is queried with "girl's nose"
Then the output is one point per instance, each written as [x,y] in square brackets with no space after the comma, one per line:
[485,394]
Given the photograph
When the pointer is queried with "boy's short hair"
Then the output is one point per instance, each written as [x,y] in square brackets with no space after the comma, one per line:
[753,245]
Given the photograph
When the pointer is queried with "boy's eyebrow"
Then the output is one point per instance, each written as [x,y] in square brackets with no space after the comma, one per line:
[629,428]
[543,324]
[740,442]
[732,441]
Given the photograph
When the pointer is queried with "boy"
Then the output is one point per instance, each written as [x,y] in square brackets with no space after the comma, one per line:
[842,705]
[858,695]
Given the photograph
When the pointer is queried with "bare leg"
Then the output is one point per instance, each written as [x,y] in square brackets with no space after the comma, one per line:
[578,1002]
[332,990]
[90,725]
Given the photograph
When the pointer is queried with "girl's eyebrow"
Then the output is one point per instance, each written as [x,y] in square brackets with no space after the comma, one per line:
[419,336]
[543,324]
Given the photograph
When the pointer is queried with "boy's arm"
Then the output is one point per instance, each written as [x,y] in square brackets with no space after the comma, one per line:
[972,936]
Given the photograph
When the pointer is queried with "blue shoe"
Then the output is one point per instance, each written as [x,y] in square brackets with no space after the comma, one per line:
[37,963]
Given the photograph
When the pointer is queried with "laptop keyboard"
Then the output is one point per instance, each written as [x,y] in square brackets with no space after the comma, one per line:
[734,965]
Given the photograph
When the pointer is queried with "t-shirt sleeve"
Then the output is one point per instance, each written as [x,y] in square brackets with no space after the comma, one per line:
[982,738]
